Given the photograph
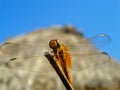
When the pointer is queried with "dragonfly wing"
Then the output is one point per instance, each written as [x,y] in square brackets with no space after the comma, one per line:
[83,61]
[91,44]
[13,48]
[86,54]
[19,58]
[39,65]
[100,40]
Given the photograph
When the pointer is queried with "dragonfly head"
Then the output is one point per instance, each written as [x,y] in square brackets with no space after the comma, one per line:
[54,44]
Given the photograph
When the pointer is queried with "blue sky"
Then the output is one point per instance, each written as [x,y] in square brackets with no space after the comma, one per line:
[91,16]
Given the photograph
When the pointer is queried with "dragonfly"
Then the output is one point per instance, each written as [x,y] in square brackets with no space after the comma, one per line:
[80,53]
[62,56]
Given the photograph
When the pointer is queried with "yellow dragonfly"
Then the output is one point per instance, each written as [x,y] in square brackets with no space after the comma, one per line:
[79,54]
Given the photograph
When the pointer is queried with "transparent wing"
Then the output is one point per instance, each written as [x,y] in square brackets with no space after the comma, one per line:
[30,65]
[86,54]
[91,44]
[82,52]
[100,40]
[83,61]
[19,57]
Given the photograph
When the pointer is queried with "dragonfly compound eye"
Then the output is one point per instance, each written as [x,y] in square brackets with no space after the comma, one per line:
[53,44]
